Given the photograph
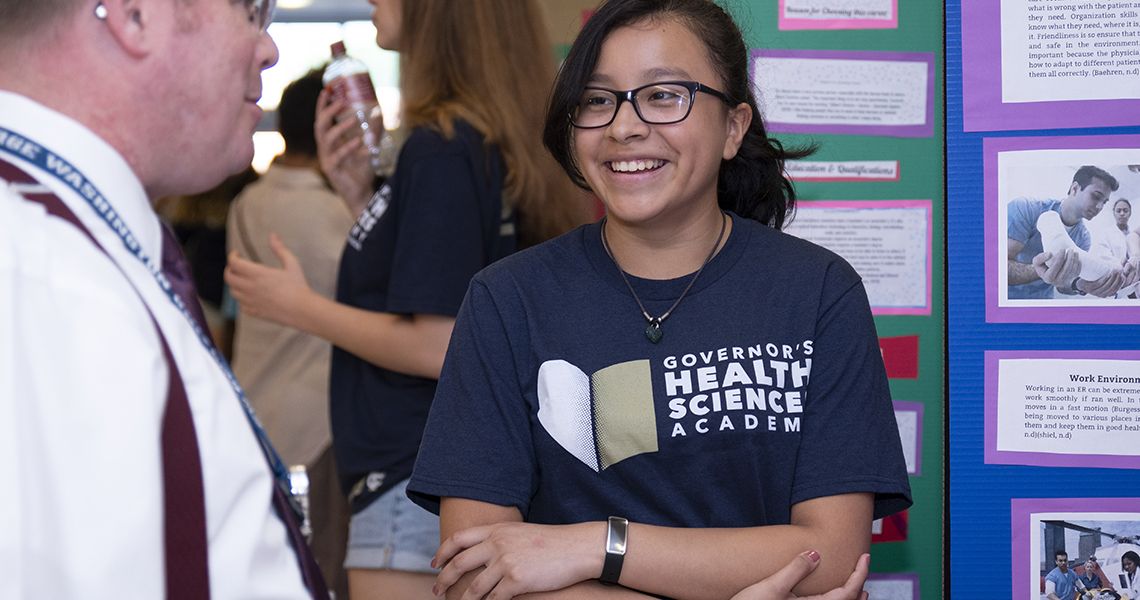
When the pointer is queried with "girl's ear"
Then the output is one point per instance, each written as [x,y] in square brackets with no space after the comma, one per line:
[739,120]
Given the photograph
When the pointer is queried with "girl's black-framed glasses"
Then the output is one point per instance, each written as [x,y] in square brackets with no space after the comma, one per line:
[660,103]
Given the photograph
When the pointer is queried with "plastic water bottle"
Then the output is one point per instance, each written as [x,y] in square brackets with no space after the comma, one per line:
[348,80]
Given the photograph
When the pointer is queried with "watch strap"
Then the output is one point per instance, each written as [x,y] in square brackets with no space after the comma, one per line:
[617,532]
[1076,290]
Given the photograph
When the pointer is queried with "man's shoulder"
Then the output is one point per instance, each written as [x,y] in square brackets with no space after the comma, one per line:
[1032,205]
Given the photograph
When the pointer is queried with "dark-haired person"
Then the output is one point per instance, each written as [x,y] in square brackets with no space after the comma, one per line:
[1110,243]
[1034,273]
[679,398]
[1129,577]
[1061,582]
[285,371]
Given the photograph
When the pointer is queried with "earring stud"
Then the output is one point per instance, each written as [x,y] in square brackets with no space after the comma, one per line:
[101,12]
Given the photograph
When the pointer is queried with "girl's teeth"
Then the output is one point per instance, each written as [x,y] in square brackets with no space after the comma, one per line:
[632,166]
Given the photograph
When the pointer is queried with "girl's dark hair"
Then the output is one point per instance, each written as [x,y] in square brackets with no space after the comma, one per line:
[752,184]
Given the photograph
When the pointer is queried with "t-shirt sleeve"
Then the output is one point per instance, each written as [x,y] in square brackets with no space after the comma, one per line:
[1022,220]
[440,243]
[850,440]
[477,443]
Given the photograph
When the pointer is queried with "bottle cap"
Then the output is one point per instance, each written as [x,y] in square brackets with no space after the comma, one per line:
[338,48]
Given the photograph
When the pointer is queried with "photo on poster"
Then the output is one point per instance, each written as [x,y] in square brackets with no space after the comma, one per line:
[1067,546]
[1062,240]
[1063,408]
[888,242]
[841,92]
[892,586]
[1060,64]
[839,14]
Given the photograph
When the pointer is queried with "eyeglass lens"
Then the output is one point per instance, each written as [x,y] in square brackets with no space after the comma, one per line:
[657,104]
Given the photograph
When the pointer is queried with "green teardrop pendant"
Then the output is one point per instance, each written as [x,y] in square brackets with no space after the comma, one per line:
[653,331]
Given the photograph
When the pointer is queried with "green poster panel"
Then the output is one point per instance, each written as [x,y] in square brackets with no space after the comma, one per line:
[920,29]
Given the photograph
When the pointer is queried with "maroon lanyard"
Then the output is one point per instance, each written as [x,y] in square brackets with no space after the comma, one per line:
[187,572]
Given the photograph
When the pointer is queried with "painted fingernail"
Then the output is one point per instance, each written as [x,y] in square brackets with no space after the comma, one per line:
[812,555]
[433,562]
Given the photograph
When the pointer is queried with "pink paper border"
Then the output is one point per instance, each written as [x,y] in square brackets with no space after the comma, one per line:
[993,456]
[898,175]
[862,204]
[924,130]
[1020,511]
[786,24]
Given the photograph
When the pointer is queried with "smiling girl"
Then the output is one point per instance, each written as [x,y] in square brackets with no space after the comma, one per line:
[679,399]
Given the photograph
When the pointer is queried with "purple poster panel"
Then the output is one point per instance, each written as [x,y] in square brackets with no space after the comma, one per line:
[1044,64]
[1094,538]
[1063,408]
[1062,241]
[856,93]
[839,14]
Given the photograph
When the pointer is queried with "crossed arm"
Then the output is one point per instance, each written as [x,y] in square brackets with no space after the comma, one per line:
[488,551]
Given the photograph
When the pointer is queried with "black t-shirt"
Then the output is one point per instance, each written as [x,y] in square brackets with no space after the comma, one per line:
[435,223]
[766,390]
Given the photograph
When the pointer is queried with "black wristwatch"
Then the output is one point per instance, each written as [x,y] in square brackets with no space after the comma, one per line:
[1073,286]
[617,530]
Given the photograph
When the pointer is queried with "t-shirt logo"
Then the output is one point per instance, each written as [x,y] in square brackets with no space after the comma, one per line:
[376,208]
[611,415]
[601,419]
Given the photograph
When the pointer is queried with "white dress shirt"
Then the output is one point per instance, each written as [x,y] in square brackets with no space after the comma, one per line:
[82,390]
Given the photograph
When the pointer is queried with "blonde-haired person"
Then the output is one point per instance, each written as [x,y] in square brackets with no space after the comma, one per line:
[470,186]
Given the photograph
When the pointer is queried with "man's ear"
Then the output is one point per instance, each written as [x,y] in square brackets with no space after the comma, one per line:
[1074,188]
[130,23]
[739,120]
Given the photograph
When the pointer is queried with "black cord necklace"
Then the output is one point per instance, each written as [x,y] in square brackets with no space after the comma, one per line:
[653,330]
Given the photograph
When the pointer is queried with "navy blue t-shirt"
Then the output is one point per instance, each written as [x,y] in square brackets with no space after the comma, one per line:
[435,223]
[767,389]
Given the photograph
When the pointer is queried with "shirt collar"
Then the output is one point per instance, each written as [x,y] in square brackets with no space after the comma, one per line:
[89,154]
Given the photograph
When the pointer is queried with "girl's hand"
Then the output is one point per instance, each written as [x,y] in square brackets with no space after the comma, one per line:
[778,586]
[520,558]
[265,292]
[343,158]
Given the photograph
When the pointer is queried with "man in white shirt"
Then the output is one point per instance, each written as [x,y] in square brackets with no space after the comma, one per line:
[108,105]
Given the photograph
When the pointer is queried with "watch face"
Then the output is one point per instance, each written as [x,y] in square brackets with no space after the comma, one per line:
[616,535]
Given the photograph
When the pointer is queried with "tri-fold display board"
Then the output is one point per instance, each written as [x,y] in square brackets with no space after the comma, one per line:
[1043,104]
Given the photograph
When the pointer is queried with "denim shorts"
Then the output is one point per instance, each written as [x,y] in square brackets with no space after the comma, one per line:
[393,533]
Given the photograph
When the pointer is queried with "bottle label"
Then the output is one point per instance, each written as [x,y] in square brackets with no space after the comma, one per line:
[354,89]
